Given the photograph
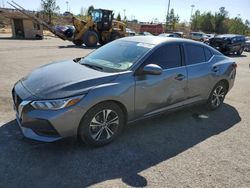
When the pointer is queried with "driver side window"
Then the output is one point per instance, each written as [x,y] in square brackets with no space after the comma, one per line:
[168,56]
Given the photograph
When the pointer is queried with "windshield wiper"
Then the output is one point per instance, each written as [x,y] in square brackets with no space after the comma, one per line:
[96,67]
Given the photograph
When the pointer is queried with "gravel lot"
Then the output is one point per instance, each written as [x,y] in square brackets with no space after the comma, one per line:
[188,148]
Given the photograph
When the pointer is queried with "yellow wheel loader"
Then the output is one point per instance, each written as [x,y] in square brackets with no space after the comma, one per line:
[100,27]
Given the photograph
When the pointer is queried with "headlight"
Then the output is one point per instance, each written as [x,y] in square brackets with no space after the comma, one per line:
[56,104]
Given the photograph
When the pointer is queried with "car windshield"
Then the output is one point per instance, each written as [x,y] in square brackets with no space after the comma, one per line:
[116,56]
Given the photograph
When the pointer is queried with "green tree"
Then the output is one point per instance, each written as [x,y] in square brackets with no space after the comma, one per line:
[220,18]
[237,26]
[195,22]
[49,8]
[172,20]
[118,18]
[206,22]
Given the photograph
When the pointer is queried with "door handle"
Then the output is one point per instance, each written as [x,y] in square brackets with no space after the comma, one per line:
[180,77]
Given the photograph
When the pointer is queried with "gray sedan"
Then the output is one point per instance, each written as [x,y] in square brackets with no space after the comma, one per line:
[124,81]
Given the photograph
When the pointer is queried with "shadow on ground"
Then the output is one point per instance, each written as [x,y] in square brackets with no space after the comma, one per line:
[82,47]
[66,163]
[236,56]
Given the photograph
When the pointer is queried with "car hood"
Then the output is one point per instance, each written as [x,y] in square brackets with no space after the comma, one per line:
[64,79]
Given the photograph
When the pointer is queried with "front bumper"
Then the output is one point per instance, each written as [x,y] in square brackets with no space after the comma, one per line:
[29,133]
[44,125]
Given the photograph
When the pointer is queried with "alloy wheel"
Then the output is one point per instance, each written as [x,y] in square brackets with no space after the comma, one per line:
[104,125]
[218,96]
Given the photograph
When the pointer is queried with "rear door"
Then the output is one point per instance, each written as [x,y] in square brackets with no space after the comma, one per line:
[199,68]
[154,92]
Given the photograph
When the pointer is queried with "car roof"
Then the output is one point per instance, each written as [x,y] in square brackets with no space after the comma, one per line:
[156,40]
[228,36]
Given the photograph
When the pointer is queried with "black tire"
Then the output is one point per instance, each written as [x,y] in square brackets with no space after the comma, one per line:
[115,35]
[78,42]
[90,39]
[240,51]
[217,96]
[92,124]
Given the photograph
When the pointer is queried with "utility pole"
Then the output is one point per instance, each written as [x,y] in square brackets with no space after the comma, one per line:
[67,5]
[124,11]
[167,20]
[192,8]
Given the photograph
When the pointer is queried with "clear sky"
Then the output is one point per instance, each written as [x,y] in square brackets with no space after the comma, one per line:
[146,10]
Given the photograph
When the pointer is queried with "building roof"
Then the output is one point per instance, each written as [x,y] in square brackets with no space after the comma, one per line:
[13,13]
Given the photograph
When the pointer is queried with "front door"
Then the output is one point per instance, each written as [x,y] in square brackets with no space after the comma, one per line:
[153,93]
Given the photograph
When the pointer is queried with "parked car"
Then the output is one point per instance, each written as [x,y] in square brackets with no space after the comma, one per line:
[145,33]
[228,43]
[198,36]
[67,30]
[130,32]
[169,35]
[247,44]
[207,37]
[96,96]
[180,34]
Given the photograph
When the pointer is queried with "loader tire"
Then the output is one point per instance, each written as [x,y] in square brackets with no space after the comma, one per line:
[90,39]
[78,42]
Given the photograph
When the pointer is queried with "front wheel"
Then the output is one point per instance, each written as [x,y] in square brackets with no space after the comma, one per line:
[217,96]
[102,124]
[90,39]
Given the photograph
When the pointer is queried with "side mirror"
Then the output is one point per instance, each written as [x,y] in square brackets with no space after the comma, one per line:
[152,69]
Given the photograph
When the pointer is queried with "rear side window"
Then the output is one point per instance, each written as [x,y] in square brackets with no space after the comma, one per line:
[208,53]
[195,54]
[166,57]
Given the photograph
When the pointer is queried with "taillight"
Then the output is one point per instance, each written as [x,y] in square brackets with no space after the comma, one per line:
[234,65]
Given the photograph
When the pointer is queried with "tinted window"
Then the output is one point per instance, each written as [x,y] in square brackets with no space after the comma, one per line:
[195,54]
[208,54]
[166,57]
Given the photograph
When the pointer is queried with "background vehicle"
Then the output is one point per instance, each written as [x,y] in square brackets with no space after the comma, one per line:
[247,44]
[180,34]
[105,90]
[198,36]
[169,35]
[228,43]
[145,33]
[67,30]
[99,27]
[206,38]
[130,32]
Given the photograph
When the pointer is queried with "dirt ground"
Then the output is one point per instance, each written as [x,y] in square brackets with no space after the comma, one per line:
[188,148]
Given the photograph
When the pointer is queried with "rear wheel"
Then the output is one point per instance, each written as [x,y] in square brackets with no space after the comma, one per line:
[90,39]
[240,51]
[217,96]
[102,124]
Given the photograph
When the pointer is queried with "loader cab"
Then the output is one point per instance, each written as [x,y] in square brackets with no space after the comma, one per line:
[103,19]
